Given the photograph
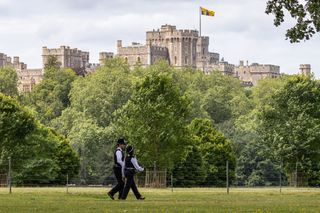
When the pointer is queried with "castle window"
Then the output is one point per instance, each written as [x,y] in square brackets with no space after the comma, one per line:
[203,51]
[186,60]
[126,59]
[175,60]
[138,60]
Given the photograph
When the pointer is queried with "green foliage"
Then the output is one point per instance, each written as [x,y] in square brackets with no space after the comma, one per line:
[182,120]
[38,154]
[290,124]
[254,169]
[155,118]
[8,82]
[100,94]
[15,124]
[93,144]
[191,170]
[216,151]
[51,96]
[306,13]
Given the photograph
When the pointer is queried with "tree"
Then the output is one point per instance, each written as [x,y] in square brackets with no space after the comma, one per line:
[216,151]
[191,170]
[155,119]
[254,169]
[51,96]
[306,13]
[8,81]
[93,144]
[15,124]
[44,158]
[290,124]
[52,63]
[100,94]
[38,154]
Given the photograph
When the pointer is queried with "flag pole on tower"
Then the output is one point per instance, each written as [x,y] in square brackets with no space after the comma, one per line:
[200,13]
[205,12]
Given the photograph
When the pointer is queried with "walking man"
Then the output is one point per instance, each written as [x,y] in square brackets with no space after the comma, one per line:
[117,168]
[130,168]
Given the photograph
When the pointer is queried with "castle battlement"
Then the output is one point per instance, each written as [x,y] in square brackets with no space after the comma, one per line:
[67,58]
[62,50]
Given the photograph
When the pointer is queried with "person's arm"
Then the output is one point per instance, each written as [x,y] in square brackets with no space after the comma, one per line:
[122,171]
[119,158]
[119,161]
[136,165]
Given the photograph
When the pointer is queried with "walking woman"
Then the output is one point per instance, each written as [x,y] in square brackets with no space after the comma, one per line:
[130,167]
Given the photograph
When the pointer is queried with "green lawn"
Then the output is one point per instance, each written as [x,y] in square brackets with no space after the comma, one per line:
[160,200]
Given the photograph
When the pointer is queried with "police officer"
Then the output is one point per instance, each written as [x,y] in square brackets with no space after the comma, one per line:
[118,168]
[130,168]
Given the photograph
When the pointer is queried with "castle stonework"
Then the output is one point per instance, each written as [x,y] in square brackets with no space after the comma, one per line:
[6,61]
[68,58]
[254,72]
[104,56]
[185,48]
[181,48]
[305,69]
[27,78]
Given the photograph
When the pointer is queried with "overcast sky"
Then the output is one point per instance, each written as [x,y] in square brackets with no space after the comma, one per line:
[239,31]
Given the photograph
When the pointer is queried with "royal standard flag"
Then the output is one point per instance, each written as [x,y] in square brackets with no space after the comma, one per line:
[206,12]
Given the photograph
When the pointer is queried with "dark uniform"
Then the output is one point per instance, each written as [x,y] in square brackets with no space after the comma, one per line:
[129,172]
[117,169]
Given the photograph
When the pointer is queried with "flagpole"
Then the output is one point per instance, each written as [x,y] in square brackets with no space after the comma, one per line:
[200,21]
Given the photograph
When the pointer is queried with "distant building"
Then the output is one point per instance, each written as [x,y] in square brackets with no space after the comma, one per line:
[181,48]
[305,69]
[6,61]
[186,48]
[104,56]
[68,58]
[224,67]
[251,74]
[27,78]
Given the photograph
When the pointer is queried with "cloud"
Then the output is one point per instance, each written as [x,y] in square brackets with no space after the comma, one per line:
[240,29]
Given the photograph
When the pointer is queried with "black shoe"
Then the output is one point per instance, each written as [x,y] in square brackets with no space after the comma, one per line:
[141,198]
[110,196]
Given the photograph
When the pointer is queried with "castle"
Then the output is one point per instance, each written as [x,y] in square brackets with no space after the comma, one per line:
[27,78]
[180,48]
[186,48]
[67,58]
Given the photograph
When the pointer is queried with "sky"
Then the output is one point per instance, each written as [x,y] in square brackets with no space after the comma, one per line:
[240,30]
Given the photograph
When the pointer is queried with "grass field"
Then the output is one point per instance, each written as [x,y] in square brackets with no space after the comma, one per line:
[46,200]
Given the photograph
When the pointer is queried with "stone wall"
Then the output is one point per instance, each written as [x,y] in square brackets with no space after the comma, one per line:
[254,72]
[135,54]
[28,78]
[67,57]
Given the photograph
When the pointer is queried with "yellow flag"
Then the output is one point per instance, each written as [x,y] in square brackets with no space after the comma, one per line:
[207,12]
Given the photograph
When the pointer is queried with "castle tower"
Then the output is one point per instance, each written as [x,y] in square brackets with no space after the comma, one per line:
[305,69]
[181,44]
[104,56]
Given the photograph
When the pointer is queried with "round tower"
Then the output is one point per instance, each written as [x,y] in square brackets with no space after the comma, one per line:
[305,69]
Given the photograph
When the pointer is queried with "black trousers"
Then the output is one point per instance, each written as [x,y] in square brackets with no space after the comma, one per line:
[120,185]
[130,184]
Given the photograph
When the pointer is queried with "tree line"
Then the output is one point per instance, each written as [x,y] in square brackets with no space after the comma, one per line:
[183,121]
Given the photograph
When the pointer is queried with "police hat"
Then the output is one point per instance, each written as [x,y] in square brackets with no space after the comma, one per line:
[121,141]
[129,149]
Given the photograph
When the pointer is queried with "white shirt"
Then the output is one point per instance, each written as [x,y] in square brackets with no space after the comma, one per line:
[134,161]
[119,157]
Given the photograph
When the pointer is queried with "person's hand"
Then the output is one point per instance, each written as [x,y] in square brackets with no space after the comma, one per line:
[124,179]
